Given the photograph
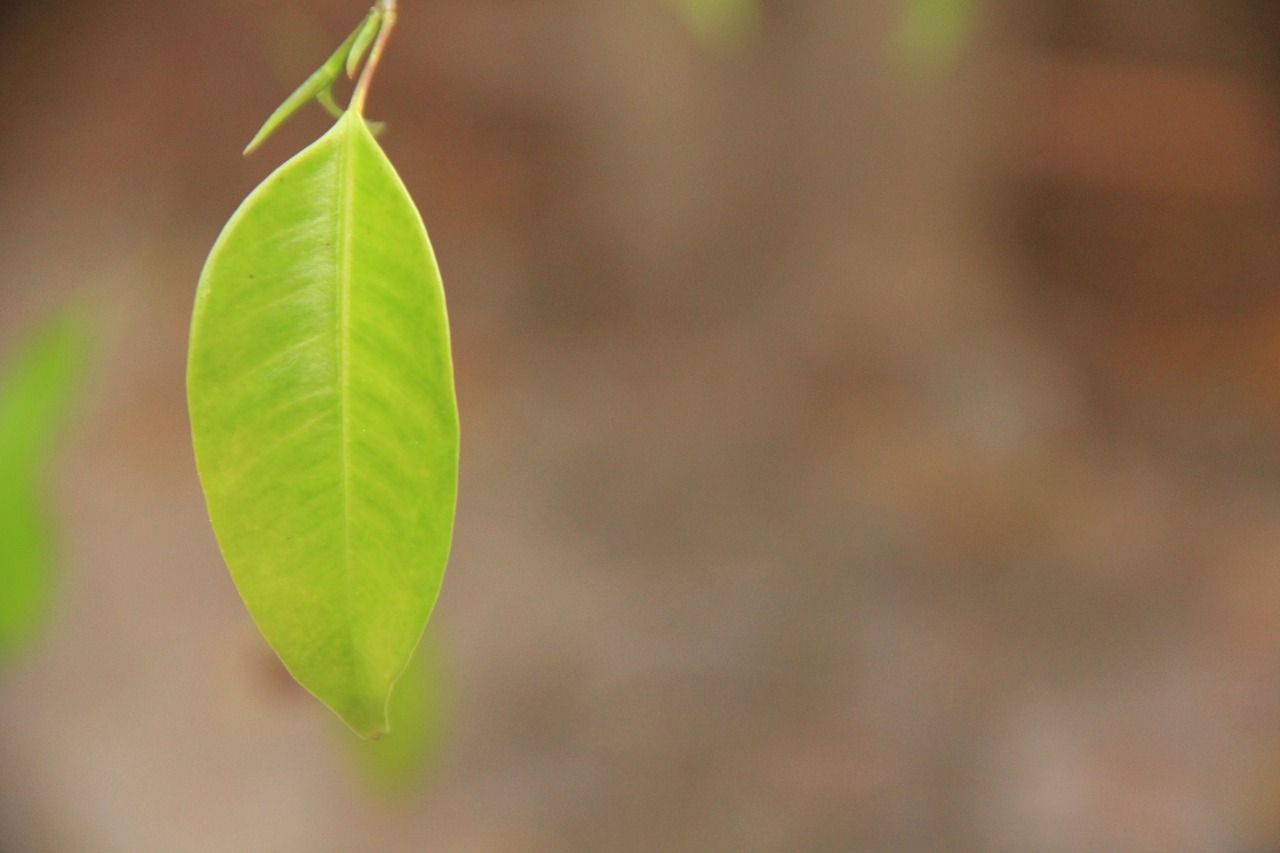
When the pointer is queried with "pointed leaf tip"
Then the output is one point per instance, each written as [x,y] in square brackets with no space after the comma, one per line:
[397,765]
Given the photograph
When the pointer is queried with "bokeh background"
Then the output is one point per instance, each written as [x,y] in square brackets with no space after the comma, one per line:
[871,441]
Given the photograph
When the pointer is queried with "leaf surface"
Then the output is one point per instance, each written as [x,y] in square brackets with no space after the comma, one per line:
[320,388]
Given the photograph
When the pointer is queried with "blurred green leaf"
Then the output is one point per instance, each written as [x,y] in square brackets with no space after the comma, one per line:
[720,21]
[400,761]
[25,557]
[37,386]
[933,32]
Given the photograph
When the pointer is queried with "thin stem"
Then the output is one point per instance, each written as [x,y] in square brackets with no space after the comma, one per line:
[361,90]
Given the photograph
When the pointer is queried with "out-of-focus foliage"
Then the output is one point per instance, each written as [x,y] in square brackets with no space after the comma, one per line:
[398,762]
[37,386]
[720,21]
[933,32]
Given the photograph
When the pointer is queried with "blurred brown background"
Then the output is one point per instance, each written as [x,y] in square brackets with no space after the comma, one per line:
[858,456]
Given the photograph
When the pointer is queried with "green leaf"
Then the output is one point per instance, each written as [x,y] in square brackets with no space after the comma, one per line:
[36,391]
[396,764]
[320,387]
[320,84]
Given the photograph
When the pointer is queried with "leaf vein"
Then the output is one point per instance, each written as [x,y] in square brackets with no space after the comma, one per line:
[342,244]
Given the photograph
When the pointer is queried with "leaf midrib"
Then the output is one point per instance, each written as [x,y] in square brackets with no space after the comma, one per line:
[342,243]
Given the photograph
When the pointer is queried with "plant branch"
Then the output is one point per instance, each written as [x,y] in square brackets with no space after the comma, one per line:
[361,91]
